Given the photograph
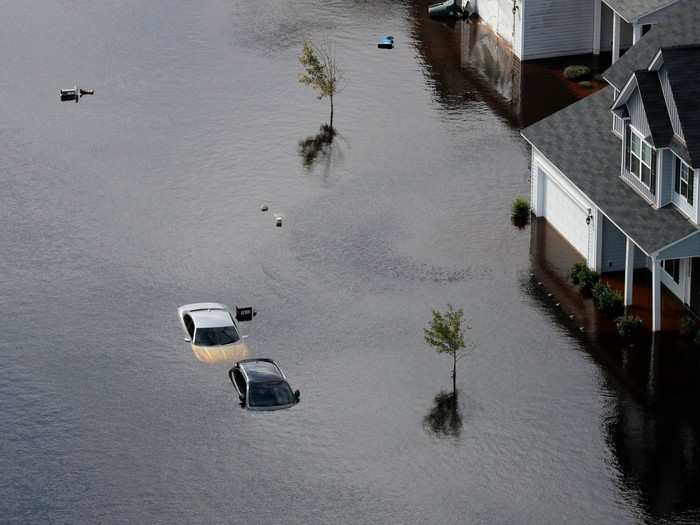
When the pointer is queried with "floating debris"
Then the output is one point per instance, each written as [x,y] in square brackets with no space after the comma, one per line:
[278,221]
[557,305]
[549,295]
[264,208]
[539,283]
[386,42]
[572,317]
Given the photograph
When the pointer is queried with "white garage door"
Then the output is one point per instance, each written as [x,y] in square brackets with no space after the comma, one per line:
[565,214]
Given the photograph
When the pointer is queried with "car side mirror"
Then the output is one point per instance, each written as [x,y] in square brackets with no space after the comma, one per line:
[297,395]
[187,339]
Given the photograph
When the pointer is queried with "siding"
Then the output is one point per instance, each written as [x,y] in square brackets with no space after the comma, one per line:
[556,28]
[670,103]
[615,250]
[498,14]
[638,117]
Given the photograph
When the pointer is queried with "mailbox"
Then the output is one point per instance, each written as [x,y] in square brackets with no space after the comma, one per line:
[245,313]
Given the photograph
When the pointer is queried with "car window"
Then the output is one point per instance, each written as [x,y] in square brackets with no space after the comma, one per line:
[220,335]
[240,380]
[270,394]
[189,324]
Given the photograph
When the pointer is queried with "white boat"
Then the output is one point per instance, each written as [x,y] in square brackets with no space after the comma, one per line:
[70,92]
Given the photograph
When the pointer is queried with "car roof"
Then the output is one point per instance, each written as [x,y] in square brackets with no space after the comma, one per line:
[211,318]
[261,371]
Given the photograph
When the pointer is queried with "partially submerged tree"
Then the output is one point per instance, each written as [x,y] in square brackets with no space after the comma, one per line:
[321,71]
[446,335]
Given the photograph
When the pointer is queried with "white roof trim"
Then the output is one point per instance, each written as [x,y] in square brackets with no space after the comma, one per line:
[626,92]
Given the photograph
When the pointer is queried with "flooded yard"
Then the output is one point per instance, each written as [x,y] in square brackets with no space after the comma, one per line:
[147,196]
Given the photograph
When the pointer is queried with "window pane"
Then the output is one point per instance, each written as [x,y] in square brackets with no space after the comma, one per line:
[634,166]
[684,188]
[635,144]
[646,175]
[646,153]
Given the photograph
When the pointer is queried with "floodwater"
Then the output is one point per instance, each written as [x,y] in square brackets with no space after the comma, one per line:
[118,209]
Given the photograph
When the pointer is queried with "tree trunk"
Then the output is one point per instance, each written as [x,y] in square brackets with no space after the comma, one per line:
[454,372]
[331,97]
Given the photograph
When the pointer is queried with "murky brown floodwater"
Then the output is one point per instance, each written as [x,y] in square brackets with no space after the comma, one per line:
[146,196]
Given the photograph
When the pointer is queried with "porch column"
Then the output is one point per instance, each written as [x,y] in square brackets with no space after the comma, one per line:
[655,294]
[629,273]
[616,38]
[597,9]
[636,33]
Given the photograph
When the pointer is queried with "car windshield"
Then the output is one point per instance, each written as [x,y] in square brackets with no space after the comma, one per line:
[270,394]
[220,335]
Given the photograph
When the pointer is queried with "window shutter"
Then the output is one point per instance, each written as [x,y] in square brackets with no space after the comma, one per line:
[691,186]
[653,172]
[677,176]
[628,138]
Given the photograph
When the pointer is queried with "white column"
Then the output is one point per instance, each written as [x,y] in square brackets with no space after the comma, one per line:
[636,33]
[655,294]
[629,273]
[597,9]
[596,231]
[617,36]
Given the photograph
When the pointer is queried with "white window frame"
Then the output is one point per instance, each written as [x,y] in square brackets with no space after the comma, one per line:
[639,157]
[684,179]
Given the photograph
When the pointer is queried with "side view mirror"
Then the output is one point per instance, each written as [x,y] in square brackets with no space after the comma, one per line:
[187,339]
[297,395]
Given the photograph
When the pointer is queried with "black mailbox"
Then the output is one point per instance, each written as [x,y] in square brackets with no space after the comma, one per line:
[245,313]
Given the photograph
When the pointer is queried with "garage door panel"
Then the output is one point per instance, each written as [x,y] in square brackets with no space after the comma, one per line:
[565,214]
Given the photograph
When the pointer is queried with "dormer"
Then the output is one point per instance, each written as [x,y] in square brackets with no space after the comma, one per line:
[660,112]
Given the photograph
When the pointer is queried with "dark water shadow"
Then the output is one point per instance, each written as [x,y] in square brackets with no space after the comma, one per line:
[650,423]
[444,419]
[322,149]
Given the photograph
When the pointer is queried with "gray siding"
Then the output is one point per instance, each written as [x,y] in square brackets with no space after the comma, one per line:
[690,247]
[498,14]
[556,28]
[666,177]
[615,250]
[670,103]
[638,117]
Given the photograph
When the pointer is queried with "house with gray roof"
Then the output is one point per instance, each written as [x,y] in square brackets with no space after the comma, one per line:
[616,173]
[536,29]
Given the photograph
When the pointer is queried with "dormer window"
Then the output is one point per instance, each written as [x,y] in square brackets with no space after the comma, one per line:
[684,180]
[640,159]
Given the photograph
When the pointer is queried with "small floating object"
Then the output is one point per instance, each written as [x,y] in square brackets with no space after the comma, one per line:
[539,283]
[70,92]
[386,42]
[87,92]
[572,317]
[264,208]
[549,295]
[278,221]
[446,9]
[557,304]
[581,329]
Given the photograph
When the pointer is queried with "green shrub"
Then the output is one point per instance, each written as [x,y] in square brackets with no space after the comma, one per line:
[629,326]
[607,300]
[520,208]
[575,272]
[586,83]
[577,72]
[584,277]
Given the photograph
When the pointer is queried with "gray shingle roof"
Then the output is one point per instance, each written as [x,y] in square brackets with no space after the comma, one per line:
[683,66]
[655,107]
[631,10]
[680,27]
[579,141]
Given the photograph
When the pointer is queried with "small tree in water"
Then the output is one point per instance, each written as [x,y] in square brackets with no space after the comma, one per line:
[321,71]
[445,334]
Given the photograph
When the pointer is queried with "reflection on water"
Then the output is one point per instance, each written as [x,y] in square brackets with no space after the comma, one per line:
[319,147]
[444,418]
[652,425]
[221,354]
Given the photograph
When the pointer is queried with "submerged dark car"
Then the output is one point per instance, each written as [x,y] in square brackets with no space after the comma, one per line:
[261,385]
